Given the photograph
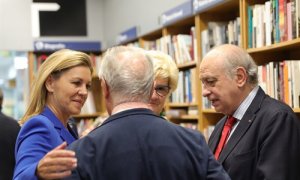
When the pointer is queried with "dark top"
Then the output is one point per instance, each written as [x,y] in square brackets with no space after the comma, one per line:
[265,144]
[138,145]
[9,129]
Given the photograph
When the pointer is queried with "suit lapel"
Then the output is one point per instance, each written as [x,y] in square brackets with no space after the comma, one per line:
[243,126]
[216,135]
[239,132]
[65,135]
[61,130]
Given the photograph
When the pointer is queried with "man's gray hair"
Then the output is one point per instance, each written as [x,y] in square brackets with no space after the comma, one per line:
[235,57]
[128,72]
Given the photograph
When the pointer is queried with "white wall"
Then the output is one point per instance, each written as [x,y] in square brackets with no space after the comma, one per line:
[15,27]
[15,24]
[106,19]
[121,15]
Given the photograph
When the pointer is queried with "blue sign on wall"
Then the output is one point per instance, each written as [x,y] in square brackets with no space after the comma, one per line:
[49,46]
[177,13]
[127,35]
[202,5]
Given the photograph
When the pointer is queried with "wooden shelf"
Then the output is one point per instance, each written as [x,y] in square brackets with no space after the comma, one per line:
[184,117]
[187,65]
[178,105]
[208,111]
[152,35]
[296,110]
[287,45]
[86,116]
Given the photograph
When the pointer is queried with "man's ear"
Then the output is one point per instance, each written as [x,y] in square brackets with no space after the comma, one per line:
[49,84]
[105,89]
[242,76]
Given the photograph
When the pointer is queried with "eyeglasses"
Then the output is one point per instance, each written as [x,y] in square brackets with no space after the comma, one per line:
[162,90]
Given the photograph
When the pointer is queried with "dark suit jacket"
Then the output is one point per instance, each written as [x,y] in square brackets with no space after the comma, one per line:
[265,145]
[138,145]
[9,129]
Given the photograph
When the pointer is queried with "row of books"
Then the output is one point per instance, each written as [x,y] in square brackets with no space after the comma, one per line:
[186,89]
[279,80]
[89,106]
[207,131]
[273,22]
[190,125]
[181,47]
[181,112]
[219,33]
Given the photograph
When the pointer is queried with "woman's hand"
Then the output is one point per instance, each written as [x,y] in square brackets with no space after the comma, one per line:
[57,163]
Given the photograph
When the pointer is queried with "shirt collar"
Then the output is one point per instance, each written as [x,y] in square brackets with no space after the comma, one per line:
[241,110]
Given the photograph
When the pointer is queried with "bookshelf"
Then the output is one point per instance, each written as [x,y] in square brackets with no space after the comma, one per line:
[188,84]
[210,22]
[234,14]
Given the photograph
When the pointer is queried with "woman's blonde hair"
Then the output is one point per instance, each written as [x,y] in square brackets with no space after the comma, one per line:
[164,67]
[55,64]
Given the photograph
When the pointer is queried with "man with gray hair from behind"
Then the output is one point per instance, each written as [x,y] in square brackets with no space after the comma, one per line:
[134,143]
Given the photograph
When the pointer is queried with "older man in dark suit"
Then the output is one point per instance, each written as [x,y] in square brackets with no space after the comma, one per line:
[9,129]
[259,138]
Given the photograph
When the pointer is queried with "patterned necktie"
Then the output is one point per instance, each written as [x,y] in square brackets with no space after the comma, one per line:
[225,133]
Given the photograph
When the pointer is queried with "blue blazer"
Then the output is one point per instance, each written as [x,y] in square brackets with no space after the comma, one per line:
[39,135]
[265,145]
[138,145]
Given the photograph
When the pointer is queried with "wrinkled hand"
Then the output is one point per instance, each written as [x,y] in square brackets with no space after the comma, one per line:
[57,163]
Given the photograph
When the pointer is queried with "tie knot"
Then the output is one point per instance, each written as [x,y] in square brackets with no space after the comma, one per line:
[230,121]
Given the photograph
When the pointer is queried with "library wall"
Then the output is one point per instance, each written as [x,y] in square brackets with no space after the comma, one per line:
[15,29]
[229,21]
[105,20]
[142,13]
[15,24]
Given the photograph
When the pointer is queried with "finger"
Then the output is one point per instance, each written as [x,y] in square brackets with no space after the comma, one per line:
[62,145]
[55,175]
[60,161]
[60,153]
[57,168]
[55,171]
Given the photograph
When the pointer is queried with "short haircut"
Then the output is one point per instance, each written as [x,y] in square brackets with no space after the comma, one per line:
[164,67]
[128,72]
[235,57]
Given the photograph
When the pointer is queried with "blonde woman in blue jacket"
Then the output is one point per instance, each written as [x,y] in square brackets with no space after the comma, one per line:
[59,91]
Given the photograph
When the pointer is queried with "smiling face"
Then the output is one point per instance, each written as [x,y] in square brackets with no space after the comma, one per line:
[159,95]
[223,91]
[68,92]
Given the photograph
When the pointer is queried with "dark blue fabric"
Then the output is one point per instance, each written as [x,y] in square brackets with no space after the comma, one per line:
[138,145]
[265,144]
[9,129]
